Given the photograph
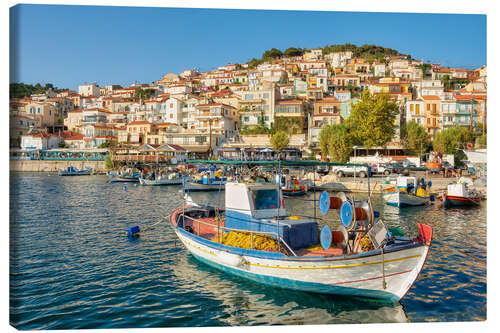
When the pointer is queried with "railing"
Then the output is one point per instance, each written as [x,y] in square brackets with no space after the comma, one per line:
[71,156]
[278,236]
[142,158]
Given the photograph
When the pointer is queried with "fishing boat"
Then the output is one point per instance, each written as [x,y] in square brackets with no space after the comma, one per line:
[407,192]
[254,237]
[124,175]
[293,187]
[72,171]
[211,180]
[173,178]
[459,194]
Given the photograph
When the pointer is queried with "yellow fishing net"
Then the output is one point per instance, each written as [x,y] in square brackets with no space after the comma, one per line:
[366,244]
[243,240]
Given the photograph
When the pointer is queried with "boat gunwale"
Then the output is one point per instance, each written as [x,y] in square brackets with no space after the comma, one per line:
[280,256]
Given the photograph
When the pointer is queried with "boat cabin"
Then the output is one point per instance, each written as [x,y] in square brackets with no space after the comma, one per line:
[458,189]
[405,182]
[260,207]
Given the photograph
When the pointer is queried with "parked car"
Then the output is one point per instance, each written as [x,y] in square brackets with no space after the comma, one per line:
[348,170]
[408,164]
[323,169]
[385,169]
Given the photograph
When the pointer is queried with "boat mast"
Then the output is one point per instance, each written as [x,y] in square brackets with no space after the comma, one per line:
[279,201]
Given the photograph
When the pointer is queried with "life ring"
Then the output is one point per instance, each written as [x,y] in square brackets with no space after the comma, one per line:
[470,146]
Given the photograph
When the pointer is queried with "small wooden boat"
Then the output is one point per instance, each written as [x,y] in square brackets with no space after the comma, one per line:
[162,181]
[407,193]
[292,187]
[72,171]
[210,181]
[122,177]
[459,194]
[253,237]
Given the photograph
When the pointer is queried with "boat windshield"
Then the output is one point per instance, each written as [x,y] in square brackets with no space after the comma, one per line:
[265,199]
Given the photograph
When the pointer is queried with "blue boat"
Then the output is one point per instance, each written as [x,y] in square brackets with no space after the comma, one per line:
[72,171]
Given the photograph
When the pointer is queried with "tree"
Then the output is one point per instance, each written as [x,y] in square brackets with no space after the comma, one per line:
[279,141]
[336,142]
[371,120]
[481,141]
[272,54]
[415,137]
[108,162]
[293,52]
[424,68]
[450,140]
[144,93]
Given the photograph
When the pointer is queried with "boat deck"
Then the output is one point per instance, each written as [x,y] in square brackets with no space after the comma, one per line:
[208,226]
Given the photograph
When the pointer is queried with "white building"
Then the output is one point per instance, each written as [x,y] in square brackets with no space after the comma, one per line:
[171,111]
[415,111]
[39,141]
[89,90]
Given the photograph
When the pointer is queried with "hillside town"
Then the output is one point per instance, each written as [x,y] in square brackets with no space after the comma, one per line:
[227,112]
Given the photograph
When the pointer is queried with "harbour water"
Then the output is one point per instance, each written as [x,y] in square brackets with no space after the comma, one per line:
[72,266]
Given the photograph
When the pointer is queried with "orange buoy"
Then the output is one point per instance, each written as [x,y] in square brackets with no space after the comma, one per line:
[470,146]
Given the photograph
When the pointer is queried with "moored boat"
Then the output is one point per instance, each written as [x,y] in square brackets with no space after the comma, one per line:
[211,180]
[459,194]
[161,181]
[407,192]
[72,171]
[253,237]
[124,175]
[293,188]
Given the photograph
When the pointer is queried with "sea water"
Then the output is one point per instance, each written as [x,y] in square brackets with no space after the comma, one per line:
[72,265]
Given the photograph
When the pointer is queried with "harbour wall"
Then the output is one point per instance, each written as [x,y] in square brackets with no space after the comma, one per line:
[53,166]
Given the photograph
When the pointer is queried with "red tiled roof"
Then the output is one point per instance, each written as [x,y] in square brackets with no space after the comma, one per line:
[288,101]
[431,98]
[77,136]
[140,122]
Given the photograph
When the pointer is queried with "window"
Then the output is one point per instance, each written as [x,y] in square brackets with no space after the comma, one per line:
[428,107]
[171,116]
[266,95]
[411,107]
[246,119]
[265,199]
[38,110]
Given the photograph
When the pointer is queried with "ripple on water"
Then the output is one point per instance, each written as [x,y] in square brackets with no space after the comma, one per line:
[72,266]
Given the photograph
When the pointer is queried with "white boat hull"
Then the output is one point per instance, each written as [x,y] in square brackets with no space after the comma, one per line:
[156,182]
[192,186]
[399,199]
[354,275]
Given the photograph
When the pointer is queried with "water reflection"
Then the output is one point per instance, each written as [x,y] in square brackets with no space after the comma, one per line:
[249,303]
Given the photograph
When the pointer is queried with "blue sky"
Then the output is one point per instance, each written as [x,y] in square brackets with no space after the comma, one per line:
[71,45]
